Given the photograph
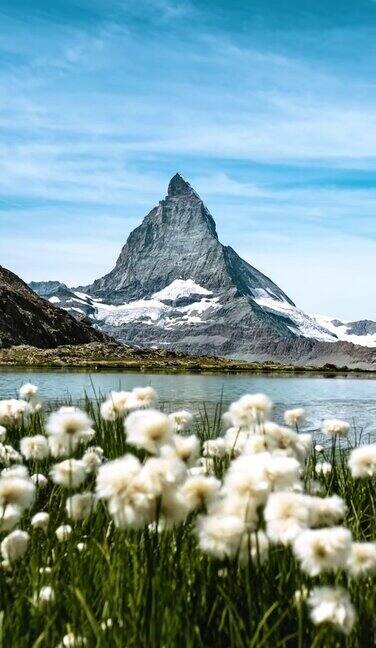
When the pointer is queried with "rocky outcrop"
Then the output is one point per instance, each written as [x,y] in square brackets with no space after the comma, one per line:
[26,318]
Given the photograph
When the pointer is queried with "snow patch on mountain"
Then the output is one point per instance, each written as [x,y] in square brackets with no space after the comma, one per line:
[341,331]
[159,310]
[301,323]
[180,288]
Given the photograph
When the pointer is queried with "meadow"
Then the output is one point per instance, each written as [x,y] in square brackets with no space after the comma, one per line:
[122,525]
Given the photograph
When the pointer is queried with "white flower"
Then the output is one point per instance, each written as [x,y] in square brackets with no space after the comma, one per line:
[148,429]
[236,440]
[323,550]
[28,391]
[127,489]
[71,640]
[71,426]
[15,471]
[92,458]
[186,448]
[34,447]
[323,468]
[10,515]
[200,490]
[3,433]
[235,505]
[108,411]
[144,396]
[17,490]
[335,427]
[69,473]
[319,448]
[282,472]
[362,461]
[40,520]
[80,506]
[286,516]
[362,559]
[39,480]
[63,532]
[14,545]
[180,420]
[332,605]
[215,448]
[325,511]
[247,478]
[81,546]
[220,536]
[45,596]
[249,410]
[9,455]
[12,411]
[118,404]
[294,416]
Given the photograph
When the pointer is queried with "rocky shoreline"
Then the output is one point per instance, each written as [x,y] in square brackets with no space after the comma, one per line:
[98,356]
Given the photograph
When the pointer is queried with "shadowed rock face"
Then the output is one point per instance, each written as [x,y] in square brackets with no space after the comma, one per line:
[26,318]
[178,240]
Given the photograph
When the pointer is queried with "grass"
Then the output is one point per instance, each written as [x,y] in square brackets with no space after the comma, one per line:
[141,589]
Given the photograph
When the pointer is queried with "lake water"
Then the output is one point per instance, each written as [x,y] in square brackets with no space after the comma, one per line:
[352,399]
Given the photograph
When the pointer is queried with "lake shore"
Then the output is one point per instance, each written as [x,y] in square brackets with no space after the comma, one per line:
[98,356]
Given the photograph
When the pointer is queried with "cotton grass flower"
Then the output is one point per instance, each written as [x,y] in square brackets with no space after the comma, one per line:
[69,426]
[39,480]
[323,550]
[362,461]
[45,597]
[12,411]
[200,490]
[144,396]
[249,410]
[10,516]
[220,536]
[326,511]
[71,640]
[16,490]
[9,455]
[92,458]
[70,473]
[362,559]
[186,448]
[294,416]
[323,468]
[40,520]
[286,515]
[180,420]
[128,492]
[214,448]
[28,391]
[80,506]
[34,447]
[148,429]
[335,427]
[332,606]
[14,545]
[63,532]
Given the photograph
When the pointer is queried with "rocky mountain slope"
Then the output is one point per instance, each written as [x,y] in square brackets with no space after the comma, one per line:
[175,286]
[26,318]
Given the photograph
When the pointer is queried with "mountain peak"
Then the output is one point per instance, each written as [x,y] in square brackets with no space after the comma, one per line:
[179,187]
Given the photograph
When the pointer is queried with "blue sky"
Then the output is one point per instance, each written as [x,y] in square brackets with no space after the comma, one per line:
[266,107]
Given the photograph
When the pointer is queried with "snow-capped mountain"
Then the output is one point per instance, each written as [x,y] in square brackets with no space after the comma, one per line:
[176,286]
